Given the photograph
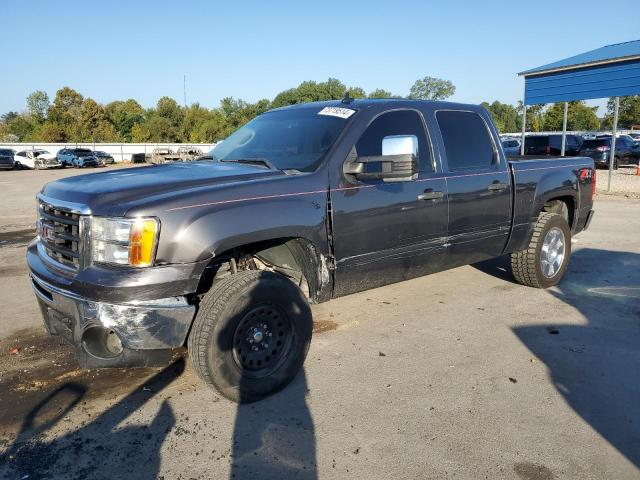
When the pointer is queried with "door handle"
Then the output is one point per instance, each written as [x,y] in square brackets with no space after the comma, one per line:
[496,187]
[430,195]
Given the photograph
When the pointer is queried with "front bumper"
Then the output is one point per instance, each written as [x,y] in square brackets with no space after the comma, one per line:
[147,331]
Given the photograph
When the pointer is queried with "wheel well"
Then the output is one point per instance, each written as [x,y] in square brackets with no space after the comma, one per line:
[564,206]
[295,258]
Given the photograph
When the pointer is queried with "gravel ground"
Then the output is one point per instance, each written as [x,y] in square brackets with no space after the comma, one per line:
[624,181]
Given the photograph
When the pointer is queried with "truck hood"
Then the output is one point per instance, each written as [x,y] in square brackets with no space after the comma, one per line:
[110,193]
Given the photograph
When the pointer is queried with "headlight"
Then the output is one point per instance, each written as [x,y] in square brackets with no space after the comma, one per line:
[124,241]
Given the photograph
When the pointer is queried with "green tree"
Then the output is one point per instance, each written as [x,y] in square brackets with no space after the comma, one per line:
[7,117]
[504,116]
[124,115]
[22,126]
[628,113]
[168,108]
[431,88]
[211,130]
[161,130]
[534,117]
[38,105]
[380,93]
[310,91]
[65,111]
[356,92]
[51,132]
[579,117]
[237,112]
[93,124]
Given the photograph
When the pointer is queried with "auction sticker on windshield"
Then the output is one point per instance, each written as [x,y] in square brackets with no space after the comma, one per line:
[337,112]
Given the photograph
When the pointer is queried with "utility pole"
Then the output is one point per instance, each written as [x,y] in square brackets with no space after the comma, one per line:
[184,88]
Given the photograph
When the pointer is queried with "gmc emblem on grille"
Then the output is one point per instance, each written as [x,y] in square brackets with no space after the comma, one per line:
[47,233]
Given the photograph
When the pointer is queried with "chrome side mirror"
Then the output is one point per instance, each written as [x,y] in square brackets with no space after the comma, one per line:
[398,162]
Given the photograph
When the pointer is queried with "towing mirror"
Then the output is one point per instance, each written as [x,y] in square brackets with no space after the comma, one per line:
[398,162]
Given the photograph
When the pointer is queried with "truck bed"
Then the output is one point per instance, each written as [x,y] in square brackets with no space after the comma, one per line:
[536,180]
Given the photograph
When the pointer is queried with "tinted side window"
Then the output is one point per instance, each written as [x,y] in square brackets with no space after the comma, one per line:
[402,122]
[466,140]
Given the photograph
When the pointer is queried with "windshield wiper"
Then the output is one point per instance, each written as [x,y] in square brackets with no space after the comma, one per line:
[251,161]
[207,157]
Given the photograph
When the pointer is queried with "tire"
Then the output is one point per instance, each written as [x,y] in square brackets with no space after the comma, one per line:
[527,264]
[231,314]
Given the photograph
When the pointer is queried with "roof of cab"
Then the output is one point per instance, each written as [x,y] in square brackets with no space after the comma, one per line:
[365,103]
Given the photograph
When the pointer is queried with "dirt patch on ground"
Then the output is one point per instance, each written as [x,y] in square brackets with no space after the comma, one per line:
[34,364]
[321,326]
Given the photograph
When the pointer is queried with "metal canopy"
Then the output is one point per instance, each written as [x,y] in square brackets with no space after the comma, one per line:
[610,71]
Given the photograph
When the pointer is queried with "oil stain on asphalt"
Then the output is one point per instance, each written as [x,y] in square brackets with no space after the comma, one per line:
[32,364]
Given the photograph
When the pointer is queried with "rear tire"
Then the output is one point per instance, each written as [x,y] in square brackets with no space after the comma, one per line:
[251,335]
[544,262]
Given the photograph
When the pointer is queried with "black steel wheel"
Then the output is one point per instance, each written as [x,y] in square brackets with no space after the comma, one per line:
[262,340]
[251,335]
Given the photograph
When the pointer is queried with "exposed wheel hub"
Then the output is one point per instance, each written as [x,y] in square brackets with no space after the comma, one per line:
[262,338]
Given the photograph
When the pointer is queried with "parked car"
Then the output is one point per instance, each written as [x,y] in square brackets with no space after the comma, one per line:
[36,159]
[7,158]
[78,157]
[627,152]
[104,157]
[511,146]
[187,154]
[302,204]
[163,155]
[551,145]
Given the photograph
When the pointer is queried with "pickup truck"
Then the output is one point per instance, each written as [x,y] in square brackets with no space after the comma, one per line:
[301,205]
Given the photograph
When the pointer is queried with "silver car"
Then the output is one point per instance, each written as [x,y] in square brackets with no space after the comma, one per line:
[78,157]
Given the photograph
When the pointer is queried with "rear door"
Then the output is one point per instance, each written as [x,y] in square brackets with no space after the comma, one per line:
[478,185]
[386,232]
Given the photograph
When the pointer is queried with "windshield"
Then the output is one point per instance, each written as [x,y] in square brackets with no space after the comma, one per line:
[291,139]
[596,143]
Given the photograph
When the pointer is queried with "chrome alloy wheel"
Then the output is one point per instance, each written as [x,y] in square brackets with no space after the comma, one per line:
[552,252]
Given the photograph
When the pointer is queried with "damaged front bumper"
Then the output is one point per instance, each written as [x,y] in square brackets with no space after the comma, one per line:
[115,335]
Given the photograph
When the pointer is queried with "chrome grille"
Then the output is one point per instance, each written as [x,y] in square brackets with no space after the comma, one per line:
[60,235]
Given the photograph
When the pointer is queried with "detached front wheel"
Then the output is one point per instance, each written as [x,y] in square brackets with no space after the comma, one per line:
[251,335]
[544,262]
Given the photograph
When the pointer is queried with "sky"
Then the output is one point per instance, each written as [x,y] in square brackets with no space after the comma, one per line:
[254,49]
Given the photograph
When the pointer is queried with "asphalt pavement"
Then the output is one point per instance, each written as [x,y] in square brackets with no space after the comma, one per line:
[461,374]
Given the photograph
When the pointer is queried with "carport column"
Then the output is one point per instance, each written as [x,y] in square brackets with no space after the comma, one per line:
[612,154]
[524,114]
[564,129]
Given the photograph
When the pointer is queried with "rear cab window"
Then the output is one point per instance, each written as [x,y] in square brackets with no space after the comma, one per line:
[467,141]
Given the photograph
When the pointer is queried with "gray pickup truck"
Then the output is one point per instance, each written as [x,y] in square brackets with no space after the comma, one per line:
[300,205]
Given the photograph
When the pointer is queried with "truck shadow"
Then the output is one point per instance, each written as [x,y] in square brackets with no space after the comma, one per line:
[595,366]
[273,438]
[101,448]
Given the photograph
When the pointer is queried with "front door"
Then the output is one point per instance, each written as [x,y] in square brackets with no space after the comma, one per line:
[386,232]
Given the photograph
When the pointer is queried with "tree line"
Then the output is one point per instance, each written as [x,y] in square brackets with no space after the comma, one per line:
[71,117]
